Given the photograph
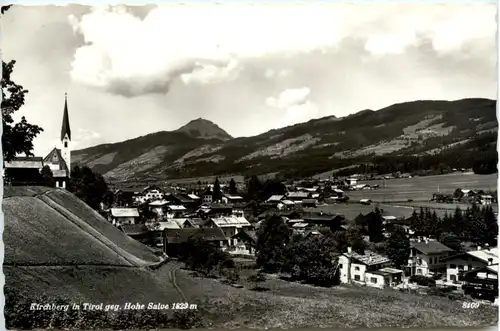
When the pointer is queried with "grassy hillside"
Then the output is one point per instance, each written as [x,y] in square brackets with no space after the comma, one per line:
[465,127]
[47,226]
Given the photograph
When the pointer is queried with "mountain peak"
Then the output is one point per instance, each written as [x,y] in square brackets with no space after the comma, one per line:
[204,129]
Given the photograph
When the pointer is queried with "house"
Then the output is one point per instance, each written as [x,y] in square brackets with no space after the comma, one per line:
[275,199]
[468,261]
[217,209]
[309,203]
[26,170]
[139,232]
[122,216]
[486,199]
[285,204]
[152,193]
[174,211]
[351,181]
[230,225]
[482,282]
[358,268]
[427,257]
[158,207]
[468,193]
[193,223]
[247,241]
[184,200]
[168,224]
[333,221]
[174,240]
[229,198]
[365,201]
[298,196]
[206,197]
[125,197]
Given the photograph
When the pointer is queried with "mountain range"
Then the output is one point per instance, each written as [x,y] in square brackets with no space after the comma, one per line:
[443,129]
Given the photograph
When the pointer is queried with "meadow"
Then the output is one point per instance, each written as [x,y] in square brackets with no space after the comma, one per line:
[422,188]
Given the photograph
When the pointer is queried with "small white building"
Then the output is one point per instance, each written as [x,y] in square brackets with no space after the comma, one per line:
[358,269]
[122,216]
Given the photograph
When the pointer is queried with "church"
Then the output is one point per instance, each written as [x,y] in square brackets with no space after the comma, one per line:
[58,160]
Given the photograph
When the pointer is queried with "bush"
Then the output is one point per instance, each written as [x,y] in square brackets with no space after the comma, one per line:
[423,281]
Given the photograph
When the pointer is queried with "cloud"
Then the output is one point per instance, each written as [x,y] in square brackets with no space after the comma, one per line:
[289,98]
[208,43]
[84,138]
[296,105]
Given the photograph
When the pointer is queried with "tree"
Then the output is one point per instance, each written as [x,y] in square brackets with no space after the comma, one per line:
[398,247]
[354,236]
[145,213]
[375,226]
[271,187]
[47,177]
[313,260]
[17,138]
[451,240]
[216,193]
[272,237]
[254,186]
[88,186]
[232,187]
[204,256]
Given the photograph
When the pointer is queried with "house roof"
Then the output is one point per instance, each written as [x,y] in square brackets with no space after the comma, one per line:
[430,247]
[57,154]
[25,162]
[158,203]
[299,225]
[176,208]
[391,271]
[182,199]
[192,196]
[319,217]
[309,201]
[287,202]
[233,197]
[252,235]
[134,229]
[220,206]
[230,221]
[369,258]
[177,236]
[299,195]
[485,254]
[275,198]
[170,224]
[124,212]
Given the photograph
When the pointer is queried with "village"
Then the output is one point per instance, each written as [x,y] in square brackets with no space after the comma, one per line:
[167,218]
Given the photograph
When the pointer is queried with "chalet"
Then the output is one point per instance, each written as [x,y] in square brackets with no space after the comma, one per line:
[230,225]
[482,282]
[125,197]
[194,223]
[174,240]
[334,222]
[139,232]
[285,204]
[184,200]
[467,261]
[247,241]
[158,207]
[175,211]
[122,216]
[468,193]
[362,269]
[427,257]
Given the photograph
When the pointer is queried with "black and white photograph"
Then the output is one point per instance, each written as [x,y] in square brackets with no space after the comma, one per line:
[250,165]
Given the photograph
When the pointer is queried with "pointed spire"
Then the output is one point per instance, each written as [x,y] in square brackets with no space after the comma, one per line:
[65,123]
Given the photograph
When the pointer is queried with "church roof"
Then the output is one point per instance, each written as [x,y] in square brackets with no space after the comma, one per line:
[57,153]
[65,123]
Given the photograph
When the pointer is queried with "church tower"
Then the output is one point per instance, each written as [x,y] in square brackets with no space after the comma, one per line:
[66,136]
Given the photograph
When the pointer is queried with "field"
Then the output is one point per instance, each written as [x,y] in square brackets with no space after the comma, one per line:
[353,209]
[294,305]
[422,188]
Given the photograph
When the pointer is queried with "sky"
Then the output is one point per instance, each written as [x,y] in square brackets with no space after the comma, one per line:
[131,71]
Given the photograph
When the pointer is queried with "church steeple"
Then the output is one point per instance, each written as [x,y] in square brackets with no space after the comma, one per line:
[65,130]
[66,136]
